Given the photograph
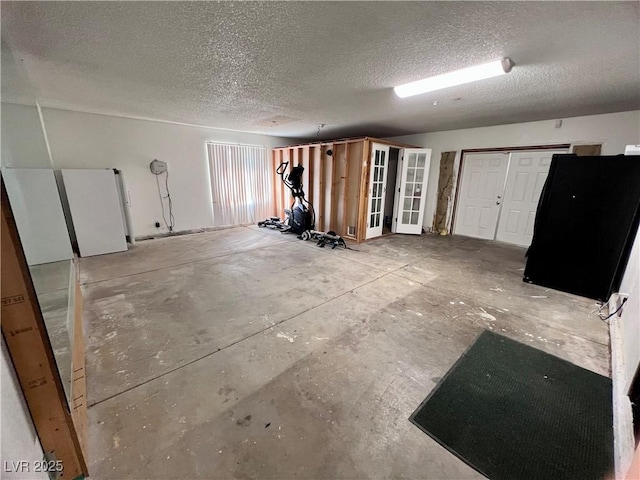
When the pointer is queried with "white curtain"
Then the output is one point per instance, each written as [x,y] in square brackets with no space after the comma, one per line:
[241,184]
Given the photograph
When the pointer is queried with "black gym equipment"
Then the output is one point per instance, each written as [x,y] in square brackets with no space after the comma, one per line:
[330,238]
[300,218]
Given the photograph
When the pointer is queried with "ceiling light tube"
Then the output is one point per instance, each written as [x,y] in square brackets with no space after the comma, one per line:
[457,77]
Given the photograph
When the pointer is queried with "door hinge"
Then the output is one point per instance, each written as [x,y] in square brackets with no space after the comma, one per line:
[398,190]
[396,219]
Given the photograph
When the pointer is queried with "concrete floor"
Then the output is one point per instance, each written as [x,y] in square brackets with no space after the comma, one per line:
[245,353]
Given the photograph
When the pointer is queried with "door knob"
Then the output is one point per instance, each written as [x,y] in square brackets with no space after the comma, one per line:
[497,203]
[499,196]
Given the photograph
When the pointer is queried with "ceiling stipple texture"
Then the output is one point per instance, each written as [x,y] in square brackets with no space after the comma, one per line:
[283,68]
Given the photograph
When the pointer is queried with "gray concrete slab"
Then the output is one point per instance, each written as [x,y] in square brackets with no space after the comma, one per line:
[172,251]
[324,387]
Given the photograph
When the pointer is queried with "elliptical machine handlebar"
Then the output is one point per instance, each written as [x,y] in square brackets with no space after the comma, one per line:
[282,168]
[293,180]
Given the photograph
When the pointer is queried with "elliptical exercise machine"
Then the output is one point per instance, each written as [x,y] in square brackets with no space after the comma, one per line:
[300,218]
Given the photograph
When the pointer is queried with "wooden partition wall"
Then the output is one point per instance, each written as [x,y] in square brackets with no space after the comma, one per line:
[61,427]
[336,182]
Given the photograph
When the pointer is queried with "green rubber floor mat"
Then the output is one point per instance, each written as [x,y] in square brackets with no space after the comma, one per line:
[513,412]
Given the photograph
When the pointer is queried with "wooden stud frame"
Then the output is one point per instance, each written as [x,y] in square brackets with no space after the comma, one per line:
[333,203]
[345,191]
[334,211]
[364,191]
[26,338]
[321,197]
[78,378]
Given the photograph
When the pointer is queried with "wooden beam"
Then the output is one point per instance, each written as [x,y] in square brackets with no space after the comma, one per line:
[274,165]
[334,208]
[311,151]
[364,189]
[390,143]
[345,190]
[25,334]
[295,157]
[306,178]
[321,191]
[286,157]
[79,378]
[341,141]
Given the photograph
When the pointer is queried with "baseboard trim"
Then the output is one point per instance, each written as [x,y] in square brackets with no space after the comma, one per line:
[184,232]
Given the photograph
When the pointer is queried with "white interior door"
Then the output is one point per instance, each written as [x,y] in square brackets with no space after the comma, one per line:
[480,196]
[377,189]
[95,210]
[527,174]
[411,183]
[37,210]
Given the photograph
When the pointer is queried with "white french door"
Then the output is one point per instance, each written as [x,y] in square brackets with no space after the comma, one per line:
[527,173]
[411,190]
[377,189]
[481,190]
[499,194]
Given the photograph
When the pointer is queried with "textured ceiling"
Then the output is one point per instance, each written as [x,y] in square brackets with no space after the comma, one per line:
[283,68]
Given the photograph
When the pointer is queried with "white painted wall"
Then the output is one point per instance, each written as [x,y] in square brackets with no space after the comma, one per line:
[625,357]
[87,140]
[19,439]
[629,321]
[613,130]
[23,143]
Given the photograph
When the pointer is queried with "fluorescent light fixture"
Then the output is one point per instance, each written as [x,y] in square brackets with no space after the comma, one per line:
[457,77]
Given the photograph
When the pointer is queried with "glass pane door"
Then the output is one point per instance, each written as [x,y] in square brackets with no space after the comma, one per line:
[415,172]
[377,190]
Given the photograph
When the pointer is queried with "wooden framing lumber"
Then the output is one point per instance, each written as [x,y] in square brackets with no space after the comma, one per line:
[322,190]
[286,157]
[306,163]
[78,376]
[364,188]
[354,140]
[274,165]
[311,189]
[26,338]
[345,190]
[332,209]
[336,185]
